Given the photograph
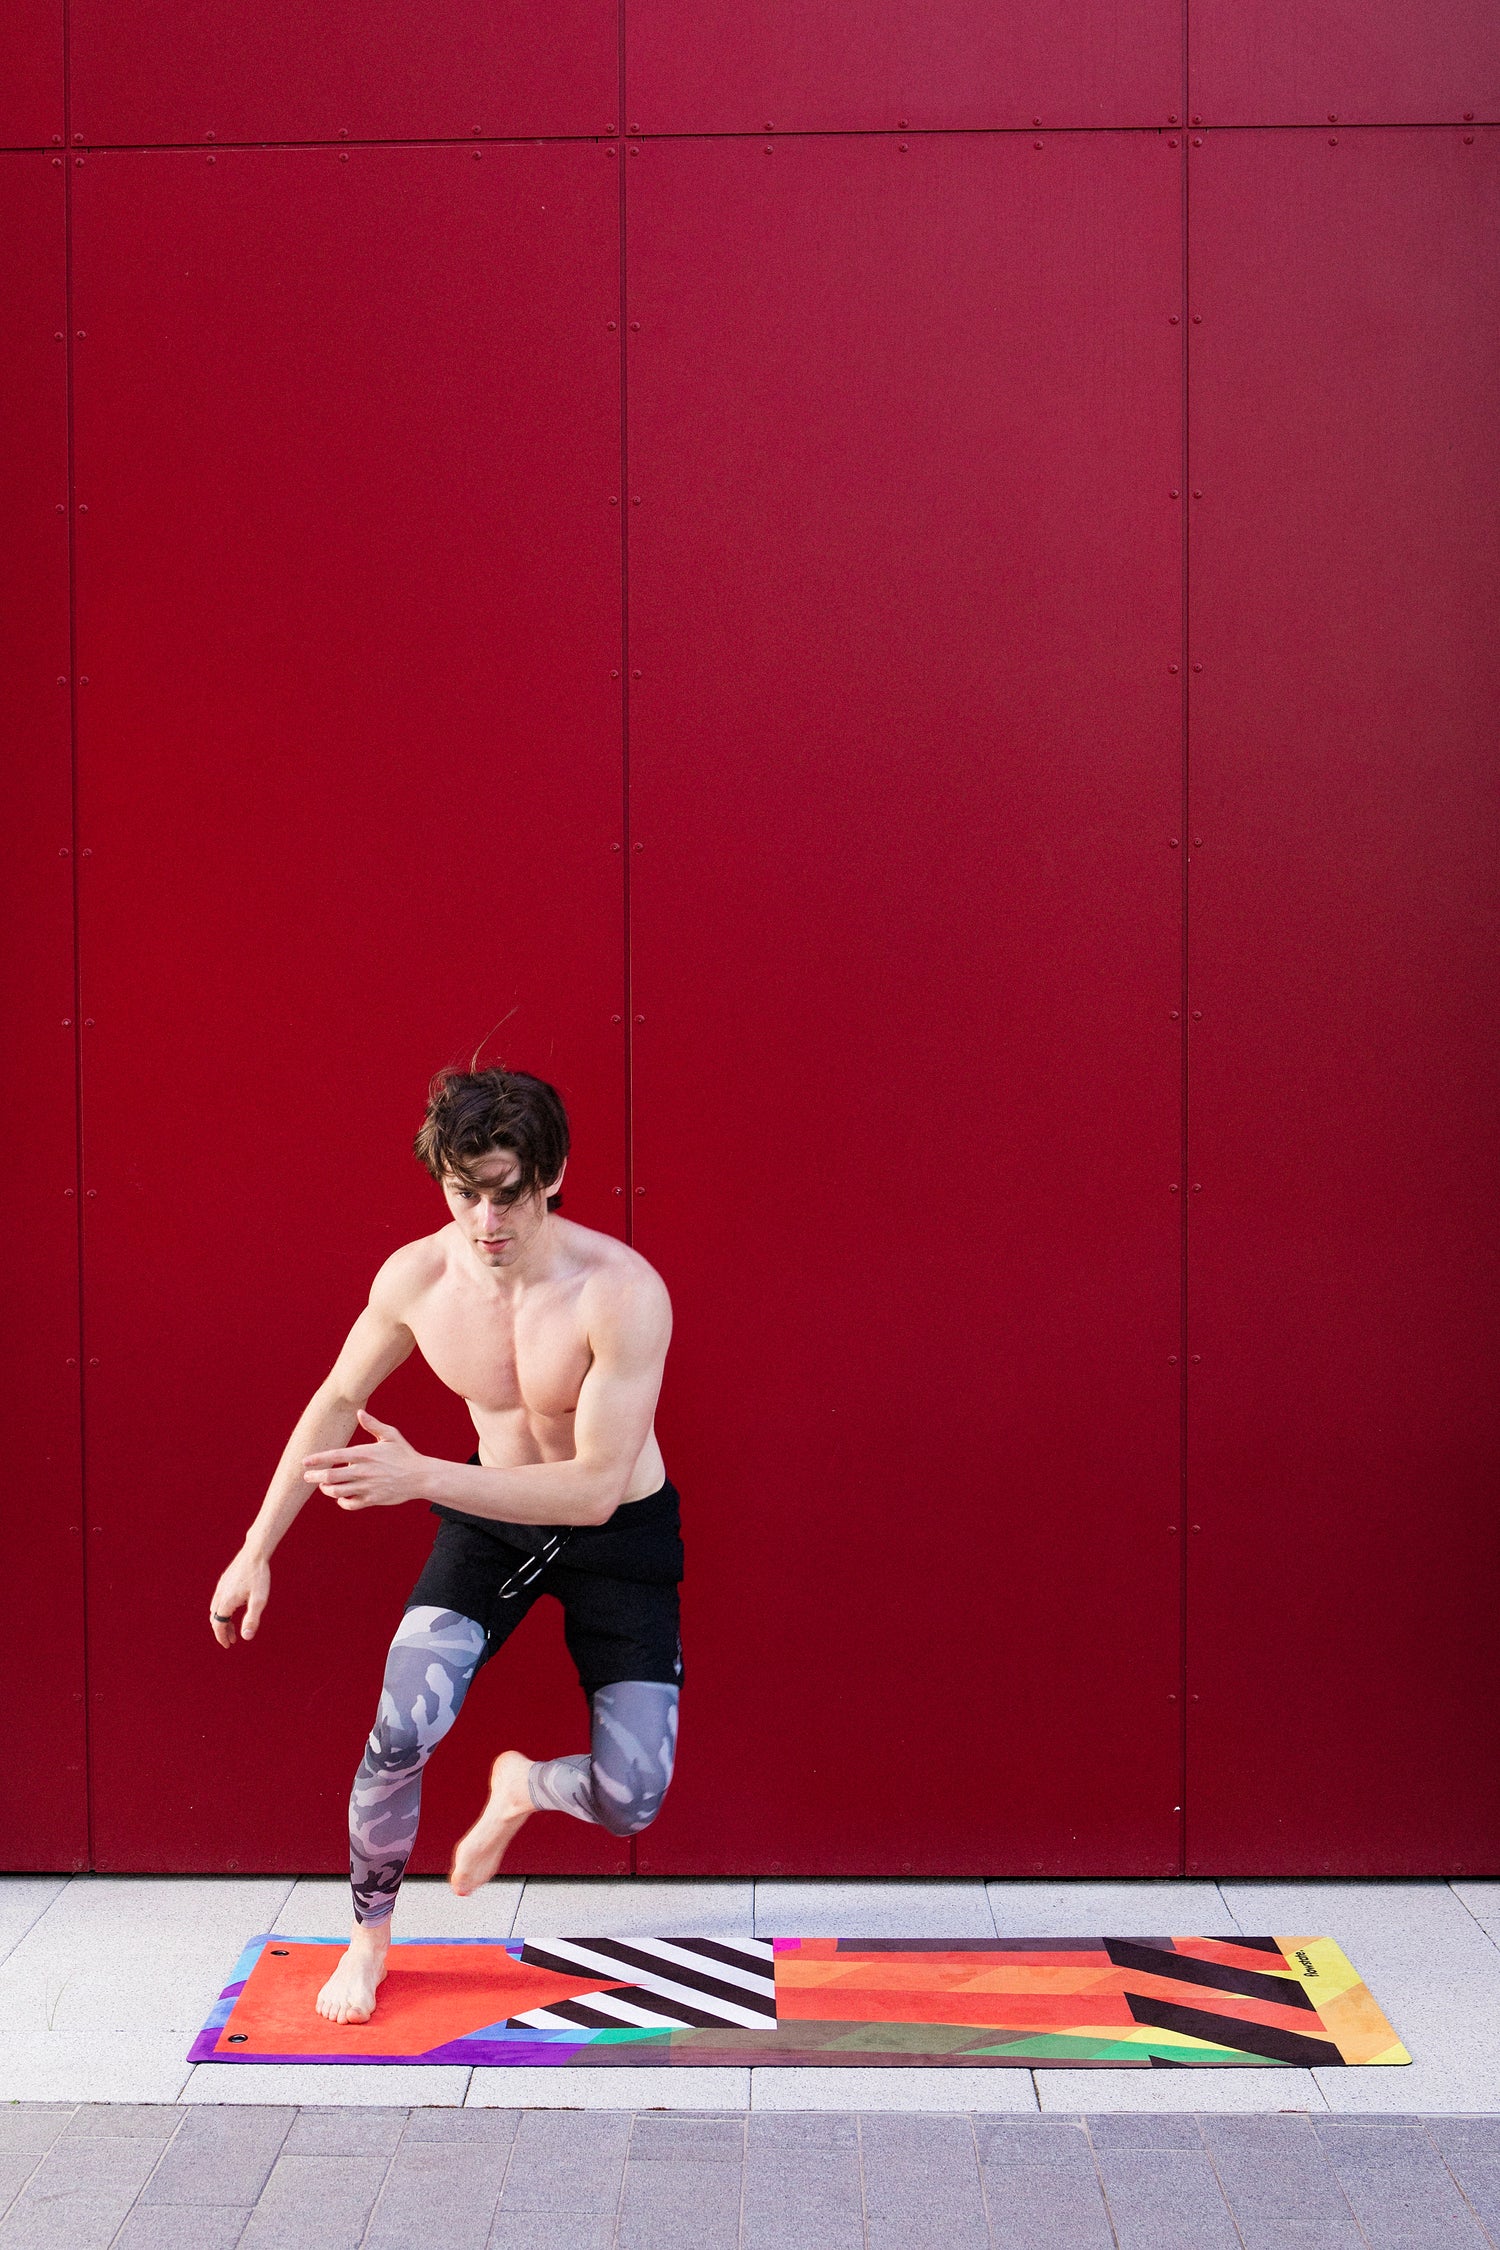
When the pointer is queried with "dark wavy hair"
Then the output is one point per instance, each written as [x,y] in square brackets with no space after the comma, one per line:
[470,1112]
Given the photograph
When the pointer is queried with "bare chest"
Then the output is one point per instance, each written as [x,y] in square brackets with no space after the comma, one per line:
[532,1358]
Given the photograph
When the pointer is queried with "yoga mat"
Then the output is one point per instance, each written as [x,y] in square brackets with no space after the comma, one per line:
[1141,2003]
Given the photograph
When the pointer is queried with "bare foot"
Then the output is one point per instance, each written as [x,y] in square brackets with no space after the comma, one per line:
[349,1994]
[480,1852]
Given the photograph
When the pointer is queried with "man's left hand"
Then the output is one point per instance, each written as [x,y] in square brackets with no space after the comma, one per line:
[381,1475]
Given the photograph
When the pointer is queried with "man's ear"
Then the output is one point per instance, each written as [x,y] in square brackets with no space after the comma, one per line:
[557,1183]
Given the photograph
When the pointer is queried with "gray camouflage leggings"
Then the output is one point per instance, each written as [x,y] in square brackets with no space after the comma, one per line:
[619,1785]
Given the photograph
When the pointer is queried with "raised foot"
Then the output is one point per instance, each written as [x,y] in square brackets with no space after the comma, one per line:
[349,1994]
[479,1853]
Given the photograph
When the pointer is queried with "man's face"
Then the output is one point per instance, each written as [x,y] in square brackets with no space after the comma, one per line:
[499,1222]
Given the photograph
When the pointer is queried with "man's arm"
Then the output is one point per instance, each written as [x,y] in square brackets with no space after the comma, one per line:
[375,1346]
[629,1325]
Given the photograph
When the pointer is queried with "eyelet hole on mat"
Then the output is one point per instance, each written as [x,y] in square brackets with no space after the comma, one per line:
[282,1950]
[238,2038]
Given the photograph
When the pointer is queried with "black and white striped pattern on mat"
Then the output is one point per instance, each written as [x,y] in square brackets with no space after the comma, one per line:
[674,1984]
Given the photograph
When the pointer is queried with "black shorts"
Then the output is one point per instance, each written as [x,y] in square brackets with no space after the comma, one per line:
[617,1582]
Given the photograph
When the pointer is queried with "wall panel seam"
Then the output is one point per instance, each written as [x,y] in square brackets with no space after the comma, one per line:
[74,847]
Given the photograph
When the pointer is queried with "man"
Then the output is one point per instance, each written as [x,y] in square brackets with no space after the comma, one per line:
[555,1337]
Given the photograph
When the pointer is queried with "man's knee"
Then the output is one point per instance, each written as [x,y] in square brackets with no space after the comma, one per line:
[432,1659]
[628,1813]
[634,1747]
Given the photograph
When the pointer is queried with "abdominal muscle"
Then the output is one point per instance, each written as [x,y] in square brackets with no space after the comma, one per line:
[516,1438]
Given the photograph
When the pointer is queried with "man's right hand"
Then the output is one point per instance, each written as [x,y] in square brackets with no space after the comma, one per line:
[245,1585]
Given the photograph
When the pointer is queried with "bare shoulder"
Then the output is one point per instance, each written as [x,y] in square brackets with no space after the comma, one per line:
[408,1273]
[622,1293]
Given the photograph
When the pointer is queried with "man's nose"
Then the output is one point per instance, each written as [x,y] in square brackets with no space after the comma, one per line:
[490,1221]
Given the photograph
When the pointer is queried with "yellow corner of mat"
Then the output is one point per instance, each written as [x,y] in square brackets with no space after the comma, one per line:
[1350,2014]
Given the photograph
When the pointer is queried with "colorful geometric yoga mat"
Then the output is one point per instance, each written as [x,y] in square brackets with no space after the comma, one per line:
[1142,2003]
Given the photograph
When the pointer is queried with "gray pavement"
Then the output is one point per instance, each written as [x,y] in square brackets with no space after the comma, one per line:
[109,2140]
[178,2176]
[105,1979]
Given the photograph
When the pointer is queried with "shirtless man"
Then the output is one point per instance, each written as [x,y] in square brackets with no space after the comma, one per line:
[555,1338]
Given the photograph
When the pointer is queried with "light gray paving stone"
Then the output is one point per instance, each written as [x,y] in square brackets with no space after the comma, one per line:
[790,2133]
[1399,2188]
[916,2140]
[1164,1908]
[219,2156]
[77,2066]
[1165,2199]
[25,2137]
[926,2232]
[319,1906]
[672,2139]
[315,2203]
[119,1957]
[15,2171]
[1429,1966]
[1454,2080]
[1185,2091]
[552,2230]
[922,2173]
[1482,1900]
[92,2162]
[1058,2143]
[179,2226]
[823,1909]
[31,2127]
[798,2228]
[695,2205]
[24,1899]
[1275,2171]
[329,2085]
[83,2221]
[1300,2234]
[800,2162]
[438,2193]
[1038,2207]
[567,2160]
[123,2121]
[1469,2147]
[1463,2142]
[857,2088]
[345,2131]
[633,1906]
[1144,2129]
[796,2188]
[597,2087]
[1480,2188]
[79,2194]
[494,2129]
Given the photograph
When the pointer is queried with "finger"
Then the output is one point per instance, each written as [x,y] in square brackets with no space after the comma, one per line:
[251,1617]
[380,1429]
[335,1457]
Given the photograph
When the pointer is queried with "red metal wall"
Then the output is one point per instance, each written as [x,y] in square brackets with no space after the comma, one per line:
[909,614]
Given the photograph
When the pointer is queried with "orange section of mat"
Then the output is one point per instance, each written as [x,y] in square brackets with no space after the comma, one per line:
[431,1994]
[851,1988]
